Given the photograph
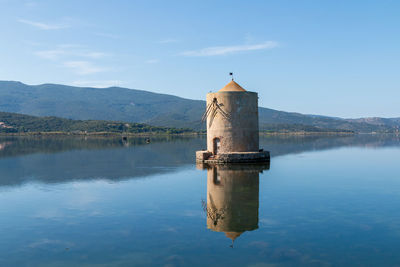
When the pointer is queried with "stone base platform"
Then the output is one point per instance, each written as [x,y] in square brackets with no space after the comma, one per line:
[241,167]
[232,157]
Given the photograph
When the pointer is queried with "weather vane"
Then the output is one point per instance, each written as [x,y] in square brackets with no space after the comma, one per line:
[231,74]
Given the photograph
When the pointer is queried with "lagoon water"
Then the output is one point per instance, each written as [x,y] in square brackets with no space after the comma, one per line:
[323,201]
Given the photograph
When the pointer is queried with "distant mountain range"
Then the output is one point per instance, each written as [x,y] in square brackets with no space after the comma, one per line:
[131,105]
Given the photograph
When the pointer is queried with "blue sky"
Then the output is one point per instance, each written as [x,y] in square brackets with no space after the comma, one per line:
[337,58]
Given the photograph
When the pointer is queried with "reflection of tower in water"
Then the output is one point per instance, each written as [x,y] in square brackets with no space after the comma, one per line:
[233,198]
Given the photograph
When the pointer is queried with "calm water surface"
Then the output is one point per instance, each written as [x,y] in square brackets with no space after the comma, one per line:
[330,201]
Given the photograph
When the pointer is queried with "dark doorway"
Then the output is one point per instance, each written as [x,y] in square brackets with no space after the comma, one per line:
[217,144]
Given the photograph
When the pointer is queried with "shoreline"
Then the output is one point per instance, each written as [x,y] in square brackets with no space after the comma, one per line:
[100,134]
[309,133]
[122,135]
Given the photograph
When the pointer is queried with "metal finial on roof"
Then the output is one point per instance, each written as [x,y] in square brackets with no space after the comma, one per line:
[231,74]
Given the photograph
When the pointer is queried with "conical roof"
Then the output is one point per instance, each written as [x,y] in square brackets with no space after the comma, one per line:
[233,235]
[232,86]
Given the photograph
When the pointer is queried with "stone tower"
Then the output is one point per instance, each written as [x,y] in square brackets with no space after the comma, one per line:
[232,126]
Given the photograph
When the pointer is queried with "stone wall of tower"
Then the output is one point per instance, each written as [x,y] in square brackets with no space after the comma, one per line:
[238,132]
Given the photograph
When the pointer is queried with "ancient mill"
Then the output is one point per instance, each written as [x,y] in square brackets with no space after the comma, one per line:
[232,127]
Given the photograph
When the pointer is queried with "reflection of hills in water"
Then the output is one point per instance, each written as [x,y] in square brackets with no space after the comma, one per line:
[16,146]
[232,198]
[54,160]
[62,159]
[282,145]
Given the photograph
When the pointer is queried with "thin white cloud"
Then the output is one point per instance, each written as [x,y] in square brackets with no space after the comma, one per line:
[94,55]
[168,41]
[43,26]
[70,46]
[84,67]
[98,84]
[225,50]
[68,51]
[50,54]
[152,61]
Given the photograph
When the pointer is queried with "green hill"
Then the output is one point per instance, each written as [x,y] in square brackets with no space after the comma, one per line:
[129,105]
[18,123]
